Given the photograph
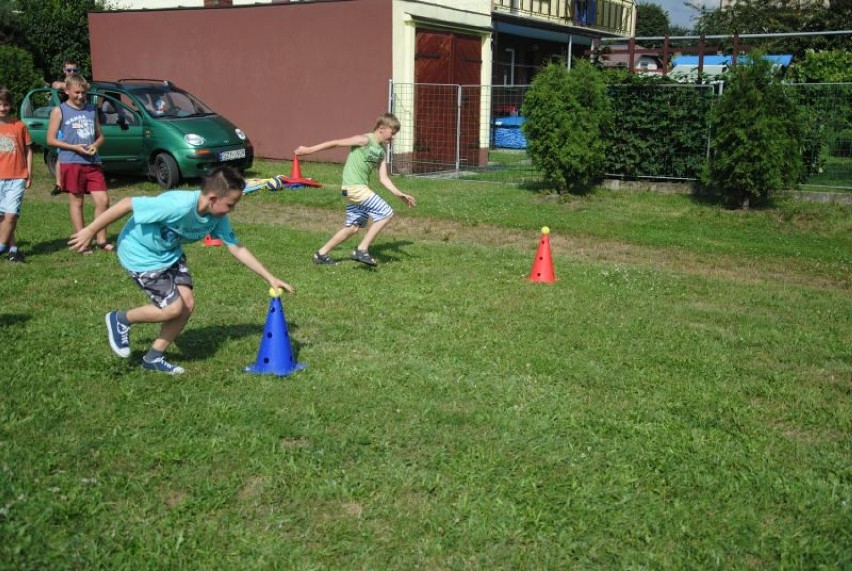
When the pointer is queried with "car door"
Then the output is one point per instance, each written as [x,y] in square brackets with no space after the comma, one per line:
[122,128]
[35,113]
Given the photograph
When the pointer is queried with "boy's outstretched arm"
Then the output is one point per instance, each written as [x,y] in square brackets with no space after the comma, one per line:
[81,240]
[354,141]
[248,260]
[386,181]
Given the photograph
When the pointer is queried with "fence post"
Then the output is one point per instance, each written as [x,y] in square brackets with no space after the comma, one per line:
[458,128]
[631,57]
[389,159]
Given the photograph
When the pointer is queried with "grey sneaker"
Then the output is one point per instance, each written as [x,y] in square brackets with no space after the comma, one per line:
[17,257]
[323,260]
[162,366]
[118,335]
[364,258]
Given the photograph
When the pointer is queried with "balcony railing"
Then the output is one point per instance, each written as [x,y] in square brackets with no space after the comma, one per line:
[613,16]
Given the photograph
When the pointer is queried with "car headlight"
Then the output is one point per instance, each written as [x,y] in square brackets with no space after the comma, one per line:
[240,134]
[194,139]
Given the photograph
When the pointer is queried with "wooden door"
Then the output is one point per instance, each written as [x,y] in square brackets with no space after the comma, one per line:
[443,62]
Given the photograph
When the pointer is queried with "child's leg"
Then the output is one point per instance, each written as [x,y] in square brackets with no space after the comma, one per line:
[372,232]
[7,229]
[339,237]
[381,213]
[11,196]
[174,317]
[75,210]
[101,200]
[57,188]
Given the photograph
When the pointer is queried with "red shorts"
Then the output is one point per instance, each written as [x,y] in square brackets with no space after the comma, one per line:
[78,178]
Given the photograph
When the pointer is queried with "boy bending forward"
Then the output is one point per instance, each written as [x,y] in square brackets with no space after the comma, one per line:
[150,248]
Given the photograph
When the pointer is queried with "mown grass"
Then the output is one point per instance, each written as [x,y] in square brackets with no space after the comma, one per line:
[678,399]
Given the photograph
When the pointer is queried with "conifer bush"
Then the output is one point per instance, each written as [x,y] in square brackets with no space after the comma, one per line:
[566,113]
[756,136]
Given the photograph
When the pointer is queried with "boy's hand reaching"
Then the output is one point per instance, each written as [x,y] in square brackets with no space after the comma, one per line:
[79,241]
[408,199]
[279,284]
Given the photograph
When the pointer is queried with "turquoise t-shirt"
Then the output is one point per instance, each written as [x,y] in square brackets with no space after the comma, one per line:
[154,236]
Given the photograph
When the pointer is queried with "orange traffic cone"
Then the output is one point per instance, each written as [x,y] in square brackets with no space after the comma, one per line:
[211,241]
[295,179]
[275,356]
[542,270]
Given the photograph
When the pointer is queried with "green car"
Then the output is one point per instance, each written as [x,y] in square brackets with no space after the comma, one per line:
[151,128]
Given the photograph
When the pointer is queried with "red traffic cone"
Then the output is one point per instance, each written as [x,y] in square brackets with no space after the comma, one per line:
[295,179]
[275,356]
[211,241]
[542,269]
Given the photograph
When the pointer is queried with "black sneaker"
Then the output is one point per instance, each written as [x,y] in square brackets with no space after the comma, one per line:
[323,260]
[364,258]
[17,257]
[57,190]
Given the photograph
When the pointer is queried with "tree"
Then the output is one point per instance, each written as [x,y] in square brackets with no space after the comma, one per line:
[772,16]
[18,72]
[566,113]
[756,138]
[651,20]
[10,28]
[56,29]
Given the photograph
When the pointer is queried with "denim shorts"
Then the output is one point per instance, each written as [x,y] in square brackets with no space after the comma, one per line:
[161,285]
[11,195]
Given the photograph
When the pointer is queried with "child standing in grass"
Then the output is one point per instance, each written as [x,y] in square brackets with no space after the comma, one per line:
[16,167]
[150,247]
[69,68]
[79,163]
[365,153]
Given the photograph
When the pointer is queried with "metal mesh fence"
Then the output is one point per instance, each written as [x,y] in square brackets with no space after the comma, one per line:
[660,131]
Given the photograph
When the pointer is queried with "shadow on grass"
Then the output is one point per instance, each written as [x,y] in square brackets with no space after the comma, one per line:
[198,344]
[389,251]
[48,247]
[10,319]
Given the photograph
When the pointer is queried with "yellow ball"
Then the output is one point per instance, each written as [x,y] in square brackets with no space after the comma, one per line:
[274,292]
[545,230]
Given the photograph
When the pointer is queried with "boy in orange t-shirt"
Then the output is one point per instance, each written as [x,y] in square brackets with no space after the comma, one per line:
[16,167]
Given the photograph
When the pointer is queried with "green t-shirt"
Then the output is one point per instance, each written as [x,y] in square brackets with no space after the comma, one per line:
[361,161]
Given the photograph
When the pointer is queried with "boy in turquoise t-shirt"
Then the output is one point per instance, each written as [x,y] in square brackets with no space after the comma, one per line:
[150,247]
[366,152]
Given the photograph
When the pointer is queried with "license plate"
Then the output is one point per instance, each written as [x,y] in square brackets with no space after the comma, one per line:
[232,155]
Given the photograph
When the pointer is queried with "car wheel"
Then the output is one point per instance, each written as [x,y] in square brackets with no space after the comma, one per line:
[50,159]
[166,171]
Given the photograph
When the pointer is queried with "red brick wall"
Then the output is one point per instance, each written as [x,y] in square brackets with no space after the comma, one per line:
[287,74]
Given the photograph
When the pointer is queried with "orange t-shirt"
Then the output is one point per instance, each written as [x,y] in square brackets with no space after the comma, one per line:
[14,140]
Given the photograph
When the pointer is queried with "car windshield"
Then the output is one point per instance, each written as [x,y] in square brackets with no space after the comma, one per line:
[167,102]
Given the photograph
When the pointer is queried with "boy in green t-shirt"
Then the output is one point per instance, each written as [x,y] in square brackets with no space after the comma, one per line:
[366,152]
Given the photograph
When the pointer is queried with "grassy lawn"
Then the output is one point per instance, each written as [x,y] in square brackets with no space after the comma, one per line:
[680,398]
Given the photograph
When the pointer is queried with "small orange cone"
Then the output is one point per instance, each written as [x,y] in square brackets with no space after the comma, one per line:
[542,269]
[211,241]
[296,170]
[295,179]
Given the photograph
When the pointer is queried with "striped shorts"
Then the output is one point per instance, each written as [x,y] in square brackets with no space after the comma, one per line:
[374,207]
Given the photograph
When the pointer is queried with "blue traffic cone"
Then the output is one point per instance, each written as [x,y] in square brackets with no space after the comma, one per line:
[275,356]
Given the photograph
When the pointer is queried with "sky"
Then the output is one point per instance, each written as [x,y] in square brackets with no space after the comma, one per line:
[679,13]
